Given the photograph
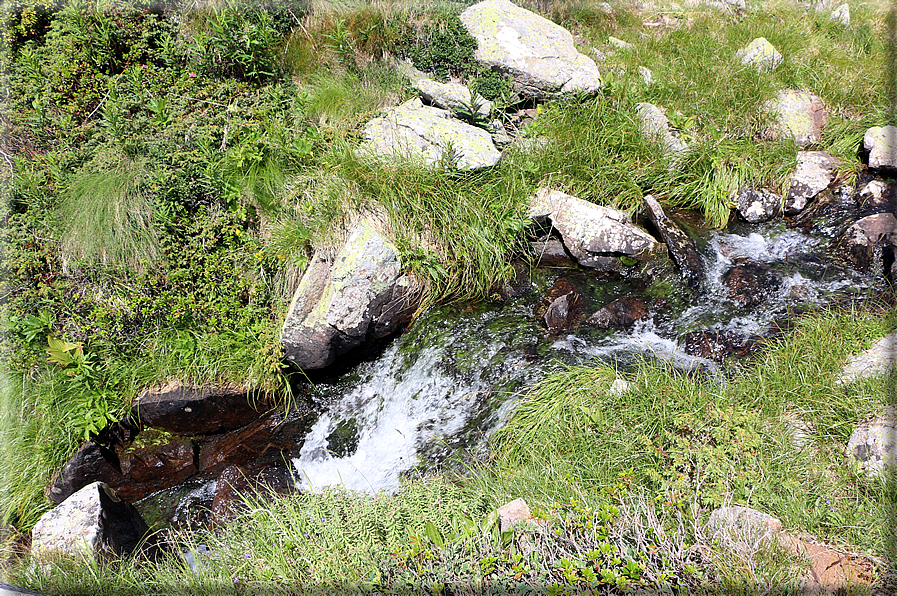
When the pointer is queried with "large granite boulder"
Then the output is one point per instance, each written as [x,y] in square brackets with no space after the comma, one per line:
[186,409]
[337,307]
[425,133]
[454,97]
[539,54]
[881,143]
[815,172]
[92,523]
[598,237]
[799,115]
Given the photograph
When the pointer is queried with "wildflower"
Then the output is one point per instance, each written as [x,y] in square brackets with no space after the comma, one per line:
[236,579]
[192,75]
[247,556]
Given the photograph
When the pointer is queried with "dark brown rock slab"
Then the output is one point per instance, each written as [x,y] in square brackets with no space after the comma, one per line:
[154,468]
[269,439]
[862,240]
[91,463]
[194,410]
[622,314]
[749,283]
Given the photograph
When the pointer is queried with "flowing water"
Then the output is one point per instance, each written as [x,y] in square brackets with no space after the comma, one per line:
[453,377]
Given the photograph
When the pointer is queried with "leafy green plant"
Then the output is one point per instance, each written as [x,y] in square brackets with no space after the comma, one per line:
[442,46]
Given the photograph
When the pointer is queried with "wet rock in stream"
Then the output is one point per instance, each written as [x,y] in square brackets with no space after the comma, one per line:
[682,248]
[621,314]
[749,283]
[717,345]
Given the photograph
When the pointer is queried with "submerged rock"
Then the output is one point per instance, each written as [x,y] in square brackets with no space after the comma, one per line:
[800,115]
[154,468]
[195,410]
[92,523]
[540,55]
[881,143]
[234,483]
[622,314]
[760,54]
[598,237]
[749,283]
[562,307]
[716,345]
[454,97]
[874,444]
[338,307]
[655,125]
[815,172]
[418,132]
[682,248]
[756,206]
[864,241]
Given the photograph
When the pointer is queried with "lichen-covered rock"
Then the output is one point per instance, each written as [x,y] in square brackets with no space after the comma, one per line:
[815,172]
[454,97]
[841,14]
[337,307]
[760,54]
[800,115]
[874,444]
[92,523]
[414,131]
[540,55]
[595,235]
[862,240]
[682,248]
[755,206]
[877,360]
[655,125]
[881,143]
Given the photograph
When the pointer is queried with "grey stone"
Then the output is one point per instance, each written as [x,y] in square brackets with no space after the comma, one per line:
[841,14]
[513,513]
[454,97]
[418,132]
[655,125]
[760,54]
[620,44]
[800,115]
[877,360]
[755,206]
[742,523]
[682,248]
[336,308]
[540,55]
[881,143]
[815,172]
[863,240]
[550,252]
[595,235]
[11,590]
[92,523]
[500,134]
[874,444]
[646,74]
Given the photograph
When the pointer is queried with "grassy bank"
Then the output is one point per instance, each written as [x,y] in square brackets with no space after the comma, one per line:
[169,169]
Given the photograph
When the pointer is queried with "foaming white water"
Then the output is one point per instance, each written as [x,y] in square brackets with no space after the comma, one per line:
[754,246]
[643,341]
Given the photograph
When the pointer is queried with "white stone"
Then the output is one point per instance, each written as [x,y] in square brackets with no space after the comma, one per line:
[761,54]
[875,191]
[619,387]
[877,360]
[646,74]
[881,143]
[841,14]
[539,54]
[815,171]
[620,44]
[739,523]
